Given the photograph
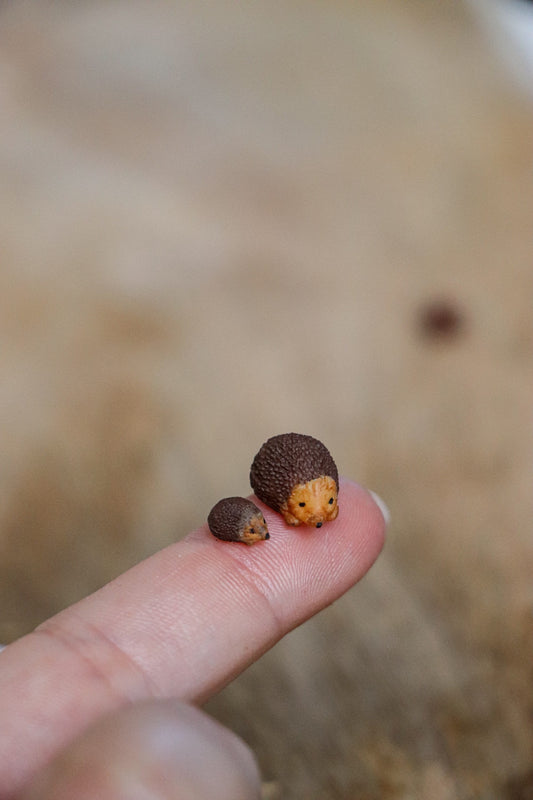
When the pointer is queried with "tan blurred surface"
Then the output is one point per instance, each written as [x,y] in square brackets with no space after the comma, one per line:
[220,222]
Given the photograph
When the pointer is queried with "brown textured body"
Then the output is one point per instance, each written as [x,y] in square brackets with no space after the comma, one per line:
[235,519]
[295,474]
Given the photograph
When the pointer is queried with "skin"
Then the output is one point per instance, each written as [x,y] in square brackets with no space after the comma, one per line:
[98,701]
[312,503]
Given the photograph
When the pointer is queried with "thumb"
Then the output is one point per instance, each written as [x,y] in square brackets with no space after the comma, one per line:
[162,750]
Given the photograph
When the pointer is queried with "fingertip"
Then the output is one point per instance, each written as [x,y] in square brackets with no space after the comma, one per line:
[359,530]
[303,569]
[365,511]
[381,504]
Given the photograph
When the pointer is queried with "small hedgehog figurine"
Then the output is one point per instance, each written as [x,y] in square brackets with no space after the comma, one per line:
[295,475]
[235,519]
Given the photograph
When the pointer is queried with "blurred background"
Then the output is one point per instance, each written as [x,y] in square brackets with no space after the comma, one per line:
[223,221]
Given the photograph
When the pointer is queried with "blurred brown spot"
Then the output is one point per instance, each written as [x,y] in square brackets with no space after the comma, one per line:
[520,788]
[440,319]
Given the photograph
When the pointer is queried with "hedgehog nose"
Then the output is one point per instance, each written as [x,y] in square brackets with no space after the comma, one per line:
[319,524]
[267,535]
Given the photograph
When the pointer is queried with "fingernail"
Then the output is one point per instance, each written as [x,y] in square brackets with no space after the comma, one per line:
[381,504]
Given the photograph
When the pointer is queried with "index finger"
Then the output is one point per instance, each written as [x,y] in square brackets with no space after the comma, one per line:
[182,623]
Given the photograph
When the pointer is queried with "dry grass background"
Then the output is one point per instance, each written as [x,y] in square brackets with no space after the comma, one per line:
[219,222]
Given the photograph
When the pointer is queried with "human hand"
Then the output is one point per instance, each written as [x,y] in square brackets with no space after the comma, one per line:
[86,700]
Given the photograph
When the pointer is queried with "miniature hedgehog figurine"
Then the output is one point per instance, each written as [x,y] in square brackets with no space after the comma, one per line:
[235,519]
[296,475]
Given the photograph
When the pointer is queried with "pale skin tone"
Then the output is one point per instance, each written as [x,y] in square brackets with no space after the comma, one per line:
[99,702]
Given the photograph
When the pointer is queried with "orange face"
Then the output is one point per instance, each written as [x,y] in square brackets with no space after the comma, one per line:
[312,503]
[255,531]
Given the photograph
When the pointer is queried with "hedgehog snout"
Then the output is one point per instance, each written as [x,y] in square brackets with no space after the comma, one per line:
[316,520]
[315,517]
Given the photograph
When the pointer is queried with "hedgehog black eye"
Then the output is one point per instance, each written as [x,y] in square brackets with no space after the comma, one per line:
[330,500]
[301,504]
[252,530]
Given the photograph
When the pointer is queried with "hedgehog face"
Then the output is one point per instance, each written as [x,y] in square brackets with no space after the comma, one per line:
[255,530]
[312,503]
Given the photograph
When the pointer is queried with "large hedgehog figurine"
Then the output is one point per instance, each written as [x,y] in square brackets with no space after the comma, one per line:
[295,475]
